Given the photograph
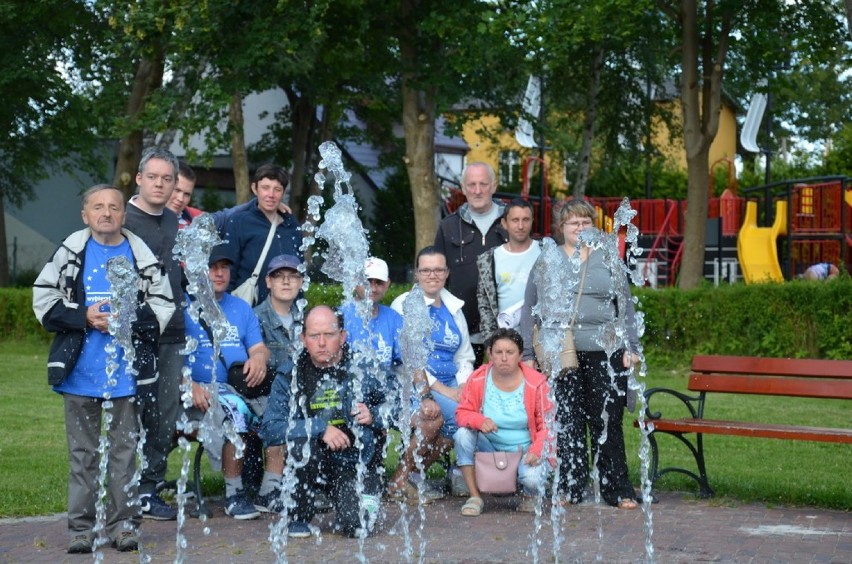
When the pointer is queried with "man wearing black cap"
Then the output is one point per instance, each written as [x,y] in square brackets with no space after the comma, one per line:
[243,344]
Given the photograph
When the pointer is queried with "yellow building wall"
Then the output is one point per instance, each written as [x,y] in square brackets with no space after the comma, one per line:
[483,149]
[724,146]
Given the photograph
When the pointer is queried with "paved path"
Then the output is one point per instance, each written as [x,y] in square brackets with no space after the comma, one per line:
[684,530]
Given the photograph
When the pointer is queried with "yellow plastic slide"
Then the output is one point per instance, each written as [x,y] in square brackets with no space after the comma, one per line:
[849,197]
[756,245]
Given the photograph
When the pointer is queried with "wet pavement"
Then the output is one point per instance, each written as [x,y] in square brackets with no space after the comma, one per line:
[684,530]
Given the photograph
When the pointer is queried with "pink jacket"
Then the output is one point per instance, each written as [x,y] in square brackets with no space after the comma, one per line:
[469,411]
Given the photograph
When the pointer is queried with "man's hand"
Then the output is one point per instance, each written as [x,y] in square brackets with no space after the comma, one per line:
[255,371]
[488,426]
[362,414]
[531,459]
[200,397]
[335,439]
[629,359]
[97,319]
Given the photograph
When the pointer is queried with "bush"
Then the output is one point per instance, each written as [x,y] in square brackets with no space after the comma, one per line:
[798,319]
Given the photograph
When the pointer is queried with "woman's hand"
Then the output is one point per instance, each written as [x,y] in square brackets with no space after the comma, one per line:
[488,426]
[531,459]
[629,359]
[200,397]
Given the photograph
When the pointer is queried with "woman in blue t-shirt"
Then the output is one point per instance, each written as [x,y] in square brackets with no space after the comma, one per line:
[447,369]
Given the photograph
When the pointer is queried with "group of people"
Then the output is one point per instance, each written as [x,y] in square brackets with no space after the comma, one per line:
[320,389]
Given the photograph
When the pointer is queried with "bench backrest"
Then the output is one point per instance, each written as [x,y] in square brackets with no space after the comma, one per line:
[812,378]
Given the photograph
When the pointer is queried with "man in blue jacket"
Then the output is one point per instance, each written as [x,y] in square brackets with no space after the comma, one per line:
[332,407]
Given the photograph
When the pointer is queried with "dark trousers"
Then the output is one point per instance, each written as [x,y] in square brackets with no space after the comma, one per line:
[582,396]
[335,472]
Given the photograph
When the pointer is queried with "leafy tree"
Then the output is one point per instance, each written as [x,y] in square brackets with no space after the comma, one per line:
[45,118]
[712,36]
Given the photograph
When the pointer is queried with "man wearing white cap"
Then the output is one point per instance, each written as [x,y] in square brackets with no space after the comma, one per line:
[383,328]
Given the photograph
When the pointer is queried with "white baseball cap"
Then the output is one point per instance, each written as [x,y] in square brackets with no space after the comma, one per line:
[376,269]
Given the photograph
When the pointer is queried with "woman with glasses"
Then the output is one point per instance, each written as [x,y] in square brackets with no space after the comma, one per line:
[583,287]
[448,367]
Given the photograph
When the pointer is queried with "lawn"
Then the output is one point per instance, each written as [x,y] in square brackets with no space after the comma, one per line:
[34,467]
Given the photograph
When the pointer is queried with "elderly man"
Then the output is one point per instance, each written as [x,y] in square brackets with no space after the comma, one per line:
[464,235]
[159,397]
[504,270]
[243,349]
[71,298]
[331,407]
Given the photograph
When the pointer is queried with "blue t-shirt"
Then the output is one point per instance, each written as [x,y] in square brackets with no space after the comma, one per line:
[508,412]
[384,329]
[89,377]
[447,340]
[243,334]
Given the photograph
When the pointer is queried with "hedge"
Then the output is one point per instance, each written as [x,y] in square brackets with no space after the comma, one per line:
[799,319]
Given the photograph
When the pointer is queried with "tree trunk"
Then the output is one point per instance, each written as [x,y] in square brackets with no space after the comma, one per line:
[238,149]
[418,121]
[701,103]
[4,245]
[149,77]
[303,117]
[589,124]
[849,16]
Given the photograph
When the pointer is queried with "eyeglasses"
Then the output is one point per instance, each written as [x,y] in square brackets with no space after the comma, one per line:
[430,271]
[577,223]
[287,277]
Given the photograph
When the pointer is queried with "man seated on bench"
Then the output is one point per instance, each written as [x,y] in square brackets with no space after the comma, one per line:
[243,345]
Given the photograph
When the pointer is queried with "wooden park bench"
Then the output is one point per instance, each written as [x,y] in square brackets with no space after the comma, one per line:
[807,378]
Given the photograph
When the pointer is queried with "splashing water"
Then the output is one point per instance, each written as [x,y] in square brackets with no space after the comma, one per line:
[193,246]
[124,285]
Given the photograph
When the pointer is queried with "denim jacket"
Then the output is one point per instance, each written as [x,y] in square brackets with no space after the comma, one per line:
[276,425]
[279,341]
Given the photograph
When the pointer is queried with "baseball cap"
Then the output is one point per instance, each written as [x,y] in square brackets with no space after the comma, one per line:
[219,252]
[376,269]
[283,261]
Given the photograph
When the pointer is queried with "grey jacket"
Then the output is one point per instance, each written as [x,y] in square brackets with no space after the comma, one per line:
[59,299]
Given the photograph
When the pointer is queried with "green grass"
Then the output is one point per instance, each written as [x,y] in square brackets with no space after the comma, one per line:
[33,458]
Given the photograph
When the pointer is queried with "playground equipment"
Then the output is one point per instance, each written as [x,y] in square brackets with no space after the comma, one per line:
[757,246]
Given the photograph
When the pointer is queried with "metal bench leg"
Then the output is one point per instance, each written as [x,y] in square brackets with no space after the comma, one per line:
[201,507]
[705,491]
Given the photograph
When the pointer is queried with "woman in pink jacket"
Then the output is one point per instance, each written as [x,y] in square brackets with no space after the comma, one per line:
[503,408]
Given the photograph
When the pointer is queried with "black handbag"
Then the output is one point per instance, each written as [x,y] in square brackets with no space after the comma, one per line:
[237,380]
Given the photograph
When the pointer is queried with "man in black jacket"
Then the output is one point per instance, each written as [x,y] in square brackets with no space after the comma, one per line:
[159,398]
[464,235]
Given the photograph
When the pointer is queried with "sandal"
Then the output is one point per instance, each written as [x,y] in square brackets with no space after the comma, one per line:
[628,504]
[473,507]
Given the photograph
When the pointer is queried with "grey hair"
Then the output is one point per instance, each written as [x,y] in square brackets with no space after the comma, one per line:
[491,176]
[159,153]
[99,188]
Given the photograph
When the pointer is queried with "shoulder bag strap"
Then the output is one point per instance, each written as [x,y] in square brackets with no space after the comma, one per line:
[265,250]
[580,292]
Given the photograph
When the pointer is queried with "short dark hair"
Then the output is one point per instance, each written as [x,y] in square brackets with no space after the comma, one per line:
[504,333]
[518,203]
[186,171]
[428,250]
[273,172]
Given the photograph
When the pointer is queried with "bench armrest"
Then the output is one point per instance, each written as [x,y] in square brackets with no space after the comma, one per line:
[692,403]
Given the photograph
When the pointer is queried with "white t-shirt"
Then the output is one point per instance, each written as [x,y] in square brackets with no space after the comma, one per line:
[511,271]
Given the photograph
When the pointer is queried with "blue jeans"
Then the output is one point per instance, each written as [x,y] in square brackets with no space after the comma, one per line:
[469,441]
[448,411]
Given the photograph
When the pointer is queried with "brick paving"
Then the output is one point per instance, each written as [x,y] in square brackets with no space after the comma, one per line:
[684,530]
